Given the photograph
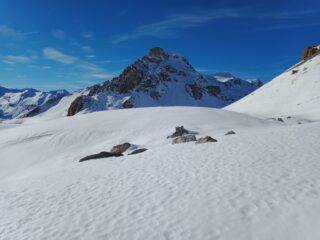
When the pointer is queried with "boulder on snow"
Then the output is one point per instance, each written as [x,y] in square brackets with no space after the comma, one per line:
[206,139]
[184,139]
[100,155]
[138,151]
[179,132]
[118,149]
[230,133]
[280,119]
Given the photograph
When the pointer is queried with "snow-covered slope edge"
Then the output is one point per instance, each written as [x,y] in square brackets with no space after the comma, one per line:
[15,103]
[295,92]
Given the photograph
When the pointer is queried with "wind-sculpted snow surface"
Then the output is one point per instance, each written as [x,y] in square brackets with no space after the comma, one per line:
[261,183]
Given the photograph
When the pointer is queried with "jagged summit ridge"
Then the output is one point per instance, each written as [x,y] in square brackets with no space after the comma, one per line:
[161,78]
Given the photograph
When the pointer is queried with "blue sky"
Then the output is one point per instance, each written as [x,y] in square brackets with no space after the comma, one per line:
[73,44]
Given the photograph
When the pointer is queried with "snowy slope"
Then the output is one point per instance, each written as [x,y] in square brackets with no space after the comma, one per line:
[161,78]
[295,92]
[261,183]
[16,103]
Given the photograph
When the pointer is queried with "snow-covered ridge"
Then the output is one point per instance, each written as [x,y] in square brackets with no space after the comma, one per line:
[296,92]
[163,79]
[15,103]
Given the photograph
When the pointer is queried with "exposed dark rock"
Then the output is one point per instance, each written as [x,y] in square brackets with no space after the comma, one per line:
[155,95]
[170,69]
[128,103]
[230,133]
[180,131]
[206,139]
[213,90]
[309,52]
[158,52]
[138,151]
[184,139]
[128,80]
[194,90]
[120,148]
[76,106]
[294,71]
[181,73]
[280,119]
[100,155]
[33,112]
[164,77]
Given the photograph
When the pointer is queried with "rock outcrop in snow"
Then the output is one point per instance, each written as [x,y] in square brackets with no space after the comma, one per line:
[310,52]
[15,103]
[162,79]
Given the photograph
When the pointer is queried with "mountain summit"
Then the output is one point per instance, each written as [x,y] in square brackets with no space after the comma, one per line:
[162,79]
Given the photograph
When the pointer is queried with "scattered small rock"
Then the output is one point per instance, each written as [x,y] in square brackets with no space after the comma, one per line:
[120,148]
[280,119]
[184,139]
[299,122]
[100,155]
[180,131]
[289,117]
[206,139]
[138,151]
[230,133]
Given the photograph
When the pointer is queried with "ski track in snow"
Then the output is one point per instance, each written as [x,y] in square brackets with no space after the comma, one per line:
[262,183]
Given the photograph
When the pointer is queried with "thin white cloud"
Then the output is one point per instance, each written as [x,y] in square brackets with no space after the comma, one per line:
[14,59]
[56,55]
[87,49]
[11,33]
[169,26]
[58,34]
[89,70]
[87,35]
[281,26]
[99,75]
[88,66]
[289,14]
[7,31]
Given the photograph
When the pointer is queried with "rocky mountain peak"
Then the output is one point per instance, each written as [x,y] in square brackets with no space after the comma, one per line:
[161,78]
[158,52]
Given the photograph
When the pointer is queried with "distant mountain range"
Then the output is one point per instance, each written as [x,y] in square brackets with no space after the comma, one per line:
[158,79]
[15,103]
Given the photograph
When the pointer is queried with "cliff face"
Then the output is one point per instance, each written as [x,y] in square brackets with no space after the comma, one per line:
[309,52]
[161,78]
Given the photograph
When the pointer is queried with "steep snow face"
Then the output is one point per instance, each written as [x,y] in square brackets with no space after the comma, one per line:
[295,92]
[162,79]
[261,183]
[18,103]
